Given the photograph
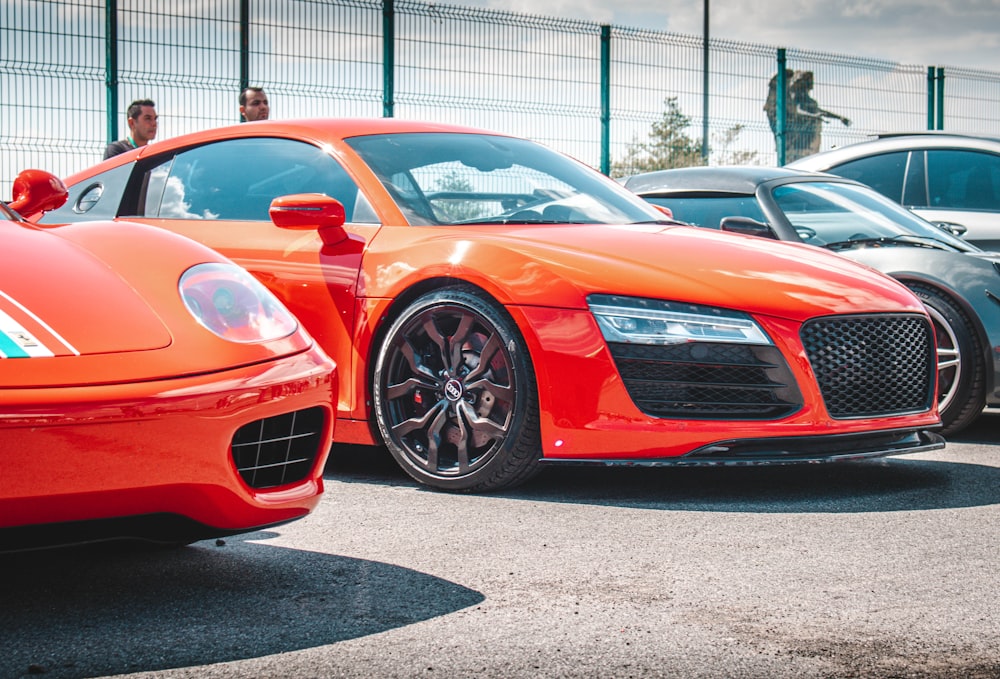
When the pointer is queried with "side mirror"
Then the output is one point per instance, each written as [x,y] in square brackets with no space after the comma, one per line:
[748,227]
[37,191]
[664,209]
[311,211]
[952,228]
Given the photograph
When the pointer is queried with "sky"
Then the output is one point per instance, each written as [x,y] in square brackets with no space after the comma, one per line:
[962,33]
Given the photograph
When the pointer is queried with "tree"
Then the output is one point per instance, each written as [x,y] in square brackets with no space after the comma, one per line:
[456,210]
[669,146]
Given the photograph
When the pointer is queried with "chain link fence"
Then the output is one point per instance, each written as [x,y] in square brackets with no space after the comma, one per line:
[69,68]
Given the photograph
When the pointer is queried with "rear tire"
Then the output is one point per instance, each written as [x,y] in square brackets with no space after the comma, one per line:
[454,393]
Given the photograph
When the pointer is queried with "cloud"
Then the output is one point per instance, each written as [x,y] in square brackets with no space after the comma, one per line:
[924,32]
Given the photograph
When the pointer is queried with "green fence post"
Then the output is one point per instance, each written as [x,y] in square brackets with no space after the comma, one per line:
[780,110]
[111,66]
[606,99]
[388,57]
[940,98]
[930,97]
[244,47]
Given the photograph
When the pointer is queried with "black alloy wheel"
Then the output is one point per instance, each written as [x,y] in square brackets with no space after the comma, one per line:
[454,393]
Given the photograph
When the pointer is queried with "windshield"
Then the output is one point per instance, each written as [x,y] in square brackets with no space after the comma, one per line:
[824,213]
[453,178]
[5,213]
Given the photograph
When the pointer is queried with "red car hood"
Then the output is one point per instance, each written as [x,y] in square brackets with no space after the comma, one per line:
[56,299]
[559,265]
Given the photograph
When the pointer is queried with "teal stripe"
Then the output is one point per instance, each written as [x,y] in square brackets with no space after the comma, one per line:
[10,348]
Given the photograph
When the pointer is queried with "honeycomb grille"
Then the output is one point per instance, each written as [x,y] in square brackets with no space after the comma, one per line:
[872,365]
[278,450]
[703,380]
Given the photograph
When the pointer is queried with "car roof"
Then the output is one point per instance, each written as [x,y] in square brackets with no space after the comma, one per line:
[897,141]
[935,133]
[743,179]
[320,129]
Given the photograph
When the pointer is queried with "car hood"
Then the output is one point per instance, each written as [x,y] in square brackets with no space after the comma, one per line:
[57,299]
[99,303]
[560,265]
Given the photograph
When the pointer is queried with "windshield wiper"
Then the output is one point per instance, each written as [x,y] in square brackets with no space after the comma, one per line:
[666,221]
[903,238]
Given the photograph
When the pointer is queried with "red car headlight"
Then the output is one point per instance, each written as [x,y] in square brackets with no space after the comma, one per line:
[233,304]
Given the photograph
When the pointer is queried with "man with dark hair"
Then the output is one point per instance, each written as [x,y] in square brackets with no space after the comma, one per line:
[141,118]
[254,104]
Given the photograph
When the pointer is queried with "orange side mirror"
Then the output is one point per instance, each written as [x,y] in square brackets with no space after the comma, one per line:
[311,211]
[37,191]
[665,210]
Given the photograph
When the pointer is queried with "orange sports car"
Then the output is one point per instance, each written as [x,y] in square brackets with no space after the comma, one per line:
[494,305]
[150,389]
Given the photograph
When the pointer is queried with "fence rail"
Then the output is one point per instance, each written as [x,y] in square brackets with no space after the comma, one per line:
[69,68]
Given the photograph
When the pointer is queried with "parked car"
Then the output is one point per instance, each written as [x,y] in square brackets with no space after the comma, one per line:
[150,389]
[958,282]
[952,179]
[496,304]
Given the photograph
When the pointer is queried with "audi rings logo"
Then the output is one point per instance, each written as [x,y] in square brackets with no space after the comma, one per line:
[453,390]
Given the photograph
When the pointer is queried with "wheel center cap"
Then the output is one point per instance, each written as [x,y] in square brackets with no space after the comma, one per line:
[453,390]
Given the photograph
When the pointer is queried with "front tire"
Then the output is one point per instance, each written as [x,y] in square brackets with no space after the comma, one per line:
[961,370]
[455,399]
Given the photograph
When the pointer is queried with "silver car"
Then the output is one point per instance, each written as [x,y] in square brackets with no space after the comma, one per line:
[945,178]
[958,283]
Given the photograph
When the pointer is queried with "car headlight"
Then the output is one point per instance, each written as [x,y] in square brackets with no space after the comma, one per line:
[651,321]
[233,304]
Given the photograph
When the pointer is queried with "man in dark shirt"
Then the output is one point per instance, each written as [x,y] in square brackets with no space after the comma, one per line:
[254,104]
[141,119]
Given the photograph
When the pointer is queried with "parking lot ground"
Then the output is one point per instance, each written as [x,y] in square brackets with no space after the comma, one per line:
[886,568]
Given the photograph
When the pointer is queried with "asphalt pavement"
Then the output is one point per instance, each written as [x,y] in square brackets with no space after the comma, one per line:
[884,568]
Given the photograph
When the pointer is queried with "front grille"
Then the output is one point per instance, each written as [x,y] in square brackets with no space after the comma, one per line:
[278,450]
[705,380]
[872,365]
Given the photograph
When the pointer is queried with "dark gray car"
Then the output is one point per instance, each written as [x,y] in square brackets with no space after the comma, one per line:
[958,283]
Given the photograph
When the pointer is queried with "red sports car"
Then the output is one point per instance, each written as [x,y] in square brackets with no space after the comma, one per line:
[150,389]
[495,305]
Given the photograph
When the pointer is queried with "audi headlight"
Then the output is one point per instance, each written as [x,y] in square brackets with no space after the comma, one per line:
[650,321]
[233,304]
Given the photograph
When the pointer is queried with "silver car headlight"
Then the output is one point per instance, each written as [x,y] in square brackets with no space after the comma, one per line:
[650,321]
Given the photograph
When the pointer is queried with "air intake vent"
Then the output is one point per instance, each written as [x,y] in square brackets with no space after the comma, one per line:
[278,450]
[872,365]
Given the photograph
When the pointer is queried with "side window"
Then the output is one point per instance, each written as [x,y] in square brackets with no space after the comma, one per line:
[963,180]
[708,211]
[884,173]
[98,198]
[237,179]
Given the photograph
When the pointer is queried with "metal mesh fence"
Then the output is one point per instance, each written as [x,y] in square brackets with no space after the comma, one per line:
[527,76]
[315,58]
[543,78]
[52,114]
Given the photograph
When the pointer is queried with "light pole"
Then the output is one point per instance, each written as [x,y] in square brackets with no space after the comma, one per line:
[704,90]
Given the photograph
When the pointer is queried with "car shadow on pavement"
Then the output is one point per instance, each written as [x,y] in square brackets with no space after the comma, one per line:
[904,483]
[103,610]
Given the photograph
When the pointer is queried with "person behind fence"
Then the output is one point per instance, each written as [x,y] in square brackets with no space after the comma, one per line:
[803,116]
[142,120]
[254,104]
